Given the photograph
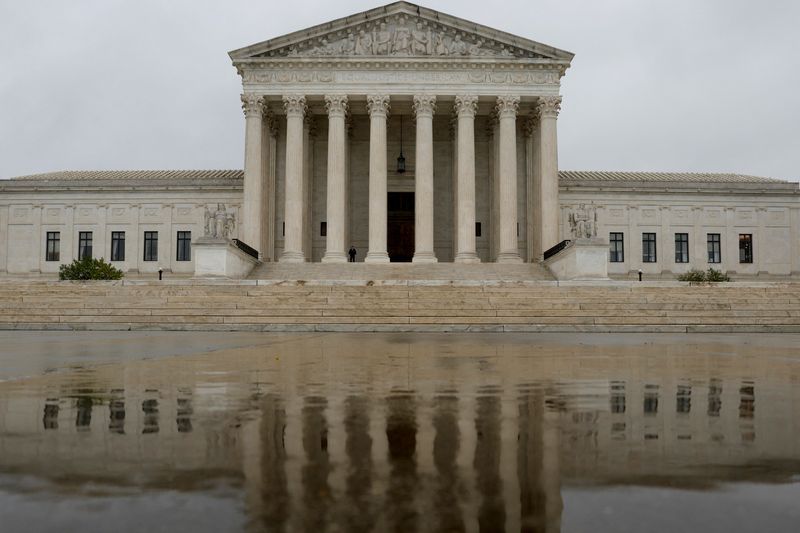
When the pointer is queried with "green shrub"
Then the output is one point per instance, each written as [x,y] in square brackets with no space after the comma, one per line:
[698,276]
[716,275]
[88,268]
[693,275]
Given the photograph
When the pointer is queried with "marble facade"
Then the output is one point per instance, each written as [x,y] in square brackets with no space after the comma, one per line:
[327,113]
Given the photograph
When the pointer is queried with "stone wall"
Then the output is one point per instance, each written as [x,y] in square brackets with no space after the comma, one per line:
[26,218]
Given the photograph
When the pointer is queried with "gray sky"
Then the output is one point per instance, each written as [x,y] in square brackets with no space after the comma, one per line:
[678,85]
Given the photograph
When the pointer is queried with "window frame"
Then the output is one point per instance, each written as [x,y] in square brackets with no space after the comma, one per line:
[183,245]
[118,239]
[747,240]
[616,254]
[648,238]
[150,247]
[714,248]
[85,242]
[54,238]
[682,248]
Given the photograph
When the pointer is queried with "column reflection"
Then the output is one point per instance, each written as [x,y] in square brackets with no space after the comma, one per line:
[359,512]
[275,499]
[317,468]
[446,444]
[492,512]
[401,433]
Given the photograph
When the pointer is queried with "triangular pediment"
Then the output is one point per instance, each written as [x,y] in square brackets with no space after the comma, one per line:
[401,30]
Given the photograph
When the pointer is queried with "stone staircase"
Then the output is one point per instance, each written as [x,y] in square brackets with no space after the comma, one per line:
[400,305]
[401,271]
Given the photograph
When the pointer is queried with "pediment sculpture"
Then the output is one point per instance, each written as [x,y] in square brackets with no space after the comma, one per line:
[404,37]
[583,222]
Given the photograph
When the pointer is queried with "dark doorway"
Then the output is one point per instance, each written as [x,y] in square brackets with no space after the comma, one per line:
[400,237]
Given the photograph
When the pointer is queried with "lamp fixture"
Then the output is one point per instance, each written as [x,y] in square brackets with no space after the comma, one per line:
[401,161]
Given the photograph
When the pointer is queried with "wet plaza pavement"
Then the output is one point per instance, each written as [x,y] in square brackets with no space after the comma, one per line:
[159,431]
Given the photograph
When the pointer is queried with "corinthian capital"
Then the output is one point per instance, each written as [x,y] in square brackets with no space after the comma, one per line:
[378,104]
[252,104]
[295,105]
[507,106]
[549,106]
[336,105]
[424,105]
[466,105]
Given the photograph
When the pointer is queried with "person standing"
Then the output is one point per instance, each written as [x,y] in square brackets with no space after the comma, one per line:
[352,253]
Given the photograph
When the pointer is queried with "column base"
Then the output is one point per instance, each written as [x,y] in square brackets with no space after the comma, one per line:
[292,257]
[334,257]
[509,257]
[424,257]
[467,258]
[377,257]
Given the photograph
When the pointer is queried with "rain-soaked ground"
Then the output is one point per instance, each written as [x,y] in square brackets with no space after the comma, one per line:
[399,432]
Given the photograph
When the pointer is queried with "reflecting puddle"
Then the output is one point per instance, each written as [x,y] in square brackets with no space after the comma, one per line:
[413,433]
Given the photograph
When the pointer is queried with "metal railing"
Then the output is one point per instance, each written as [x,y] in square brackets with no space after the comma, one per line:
[246,248]
[555,249]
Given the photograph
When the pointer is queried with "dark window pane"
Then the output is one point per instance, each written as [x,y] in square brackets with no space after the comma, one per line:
[84,244]
[649,247]
[617,247]
[53,252]
[184,247]
[681,247]
[745,248]
[714,248]
[150,246]
[118,246]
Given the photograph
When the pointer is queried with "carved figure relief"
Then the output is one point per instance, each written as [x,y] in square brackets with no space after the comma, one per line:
[219,224]
[401,36]
[583,222]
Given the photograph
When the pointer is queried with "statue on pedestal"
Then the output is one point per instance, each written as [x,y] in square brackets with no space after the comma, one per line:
[583,222]
[219,224]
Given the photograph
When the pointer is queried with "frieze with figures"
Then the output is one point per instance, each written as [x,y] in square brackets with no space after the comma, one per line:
[402,36]
[400,76]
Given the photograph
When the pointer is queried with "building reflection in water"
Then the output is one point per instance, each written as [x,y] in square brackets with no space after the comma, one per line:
[460,457]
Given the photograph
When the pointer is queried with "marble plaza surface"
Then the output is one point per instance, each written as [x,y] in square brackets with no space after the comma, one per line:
[180,431]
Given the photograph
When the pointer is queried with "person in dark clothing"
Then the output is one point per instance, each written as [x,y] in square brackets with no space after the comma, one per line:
[352,253]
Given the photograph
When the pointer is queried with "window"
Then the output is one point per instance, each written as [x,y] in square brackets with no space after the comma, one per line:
[648,247]
[681,247]
[617,247]
[84,245]
[477,229]
[714,248]
[184,248]
[323,229]
[53,246]
[118,246]
[151,246]
[745,248]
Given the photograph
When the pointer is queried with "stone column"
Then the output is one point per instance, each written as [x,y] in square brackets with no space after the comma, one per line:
[424,107]
[335,243]
[295,106]
[465,108]
[378,107]
[507,114]
[548,109]
[253,194]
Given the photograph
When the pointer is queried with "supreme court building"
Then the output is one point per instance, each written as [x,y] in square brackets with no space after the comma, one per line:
[410,135]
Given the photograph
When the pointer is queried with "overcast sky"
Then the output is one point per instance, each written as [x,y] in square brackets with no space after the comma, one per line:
[658,85]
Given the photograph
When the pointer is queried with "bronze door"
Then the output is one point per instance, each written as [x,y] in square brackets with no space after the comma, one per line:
[400,237]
